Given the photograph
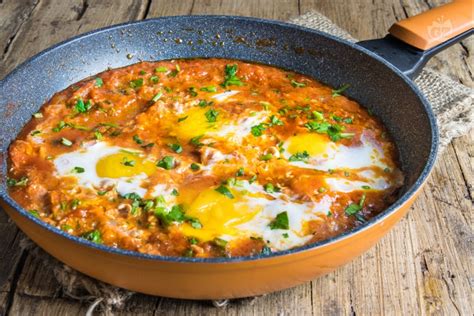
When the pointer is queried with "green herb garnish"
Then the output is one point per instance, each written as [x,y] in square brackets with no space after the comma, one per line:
[137,139]
[82,107]
[98,82]
[222,189]
[94,236]
[157,96]
[128,162]
[257,130]
[78,170]
[211,115]
[137,83]
[177,148]
[17,183]
[280,222]
[230,78]
[299,156]
[337,92]
[167,162]
[297,84]
[354,208]
[209,89]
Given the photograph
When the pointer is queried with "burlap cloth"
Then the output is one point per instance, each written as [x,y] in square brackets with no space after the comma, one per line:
[452,103]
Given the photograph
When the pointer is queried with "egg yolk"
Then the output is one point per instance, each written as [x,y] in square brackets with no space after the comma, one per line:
[314,144]
[124,164]
[195,123]
[218,214]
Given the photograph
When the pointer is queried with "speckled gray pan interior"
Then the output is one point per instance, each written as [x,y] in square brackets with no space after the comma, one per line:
[373,82]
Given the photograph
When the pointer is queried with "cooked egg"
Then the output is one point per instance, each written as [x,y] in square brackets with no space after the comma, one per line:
[100,165]
[325,154]
[248,213]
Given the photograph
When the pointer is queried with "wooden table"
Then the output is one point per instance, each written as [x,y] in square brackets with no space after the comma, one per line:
[424,266]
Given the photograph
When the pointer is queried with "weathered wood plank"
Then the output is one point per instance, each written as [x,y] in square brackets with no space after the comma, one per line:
[48,23]
[54,21]
[12,16]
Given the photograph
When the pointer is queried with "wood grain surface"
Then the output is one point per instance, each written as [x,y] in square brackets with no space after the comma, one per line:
[423,266]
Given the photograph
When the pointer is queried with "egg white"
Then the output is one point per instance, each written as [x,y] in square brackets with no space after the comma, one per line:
[87,158]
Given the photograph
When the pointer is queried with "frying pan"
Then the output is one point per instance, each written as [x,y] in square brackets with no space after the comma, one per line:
[379,73]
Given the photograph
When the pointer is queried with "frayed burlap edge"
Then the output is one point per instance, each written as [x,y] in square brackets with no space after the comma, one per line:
[451,102]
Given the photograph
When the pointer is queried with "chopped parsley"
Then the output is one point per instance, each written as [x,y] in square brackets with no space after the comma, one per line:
[209,89]
[167,162]
[354,208]
[334,131]
[161,69]
[136,84]
[192,92]
[211,115]
[196,141]
[82,107]
[94,236]
[270,188]
[128,162]
[366,187]
[98,135]
[180,119]
[222,189]
[230,78]
[154,79]
[99,82]
[195,167]
[299,156]
[297,84]
[34,133]
[204,103]
[137,139]
[240,172]
[17,183]
[338,92]
[220,242]
[157,96]
[280,222]
[275,121]
[266,157]
[78,170]
[177,148]
[257,130]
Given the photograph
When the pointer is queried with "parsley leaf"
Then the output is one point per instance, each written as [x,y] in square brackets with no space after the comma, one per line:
[209,89]
[297,84]
[337,92]
[167,162]
[177,148]
[94,236]
[222,189]
[299,156]
[230,78]
[280,222]
[82,107]
[257,130]
[354,208]
[211,115]
[137,83]
[17,183]
[98,82]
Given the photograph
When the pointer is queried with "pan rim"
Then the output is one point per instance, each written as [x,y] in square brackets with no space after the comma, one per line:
[222,260]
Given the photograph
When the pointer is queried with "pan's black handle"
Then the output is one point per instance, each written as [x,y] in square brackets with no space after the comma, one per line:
[412,42]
